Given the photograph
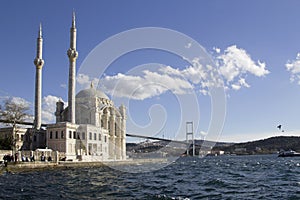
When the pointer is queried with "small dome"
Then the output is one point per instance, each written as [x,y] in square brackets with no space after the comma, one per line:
[91,92]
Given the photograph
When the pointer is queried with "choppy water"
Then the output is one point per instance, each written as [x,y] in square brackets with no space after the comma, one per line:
[227,177]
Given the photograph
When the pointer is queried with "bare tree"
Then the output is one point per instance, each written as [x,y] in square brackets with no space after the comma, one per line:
[14,111]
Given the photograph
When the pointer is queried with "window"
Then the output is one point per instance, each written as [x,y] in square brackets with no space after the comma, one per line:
[74,134]
[22,137]
[95,136]
[83,135]
[105,139]
[50,135]
[70,134]
[108,124]
[62,134]
[34,138]
[116,129]
[56,134]
[90,136]
[78,136]
[102,123]
[99,137]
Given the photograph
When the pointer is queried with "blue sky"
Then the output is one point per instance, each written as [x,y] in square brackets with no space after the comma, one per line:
[260,97]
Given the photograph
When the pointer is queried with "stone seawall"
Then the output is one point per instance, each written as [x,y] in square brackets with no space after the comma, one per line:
[39,166]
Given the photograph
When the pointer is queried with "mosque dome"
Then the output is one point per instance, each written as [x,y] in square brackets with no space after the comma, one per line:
[91,92]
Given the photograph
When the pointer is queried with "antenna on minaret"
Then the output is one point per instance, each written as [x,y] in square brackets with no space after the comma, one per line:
[40,31]
[73,19]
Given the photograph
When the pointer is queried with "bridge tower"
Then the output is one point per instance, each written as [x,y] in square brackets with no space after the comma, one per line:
[190,132]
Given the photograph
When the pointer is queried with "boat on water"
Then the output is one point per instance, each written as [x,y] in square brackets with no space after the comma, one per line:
[289,153]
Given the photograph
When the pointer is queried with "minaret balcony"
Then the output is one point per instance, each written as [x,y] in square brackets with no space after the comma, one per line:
[39,62]
[72,54]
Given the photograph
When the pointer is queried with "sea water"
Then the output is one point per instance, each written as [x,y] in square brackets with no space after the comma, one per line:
[220,177]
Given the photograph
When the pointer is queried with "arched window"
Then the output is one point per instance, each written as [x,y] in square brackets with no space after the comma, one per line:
[50,136]
[56,134]
[62,134]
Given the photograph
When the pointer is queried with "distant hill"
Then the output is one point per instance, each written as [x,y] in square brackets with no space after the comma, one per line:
[174,149]
[269,145]
[265,146]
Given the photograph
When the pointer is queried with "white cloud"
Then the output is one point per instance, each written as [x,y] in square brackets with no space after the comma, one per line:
[235,86]
[155,83]
[243,82]
[204,92]
[85,81]
[217,50]
[16,100]
[49,107]
[147,85]
[63,85]
[20,101]
[239,84]
[197,74]
[82,79]
[234,63]
[189,45]
[294,68]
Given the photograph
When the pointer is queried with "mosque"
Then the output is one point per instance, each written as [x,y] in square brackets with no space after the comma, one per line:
[90,128]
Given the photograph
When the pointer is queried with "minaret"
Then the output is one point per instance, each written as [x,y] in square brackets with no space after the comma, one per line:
[72,54]
[38,62]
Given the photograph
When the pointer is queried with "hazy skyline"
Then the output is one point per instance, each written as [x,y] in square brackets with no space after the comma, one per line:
[254,43]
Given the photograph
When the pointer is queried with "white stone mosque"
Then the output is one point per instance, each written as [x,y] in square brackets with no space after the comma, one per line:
[91,128]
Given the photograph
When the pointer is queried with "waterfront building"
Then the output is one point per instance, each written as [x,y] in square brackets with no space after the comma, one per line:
[17,133]
[90,128]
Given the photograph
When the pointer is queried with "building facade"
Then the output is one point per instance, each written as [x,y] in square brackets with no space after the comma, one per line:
[99,132]
[91,128]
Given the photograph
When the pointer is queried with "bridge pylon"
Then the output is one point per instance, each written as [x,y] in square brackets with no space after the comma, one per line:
[190,132]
